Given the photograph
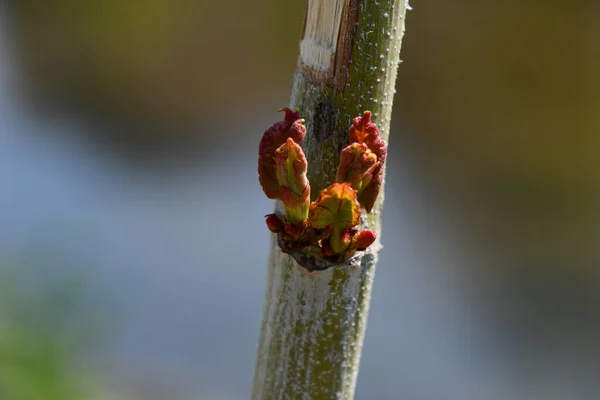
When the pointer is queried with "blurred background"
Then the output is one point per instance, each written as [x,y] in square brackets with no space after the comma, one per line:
[132,242]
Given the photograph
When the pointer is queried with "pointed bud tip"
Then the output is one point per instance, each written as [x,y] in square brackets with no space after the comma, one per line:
[290,116]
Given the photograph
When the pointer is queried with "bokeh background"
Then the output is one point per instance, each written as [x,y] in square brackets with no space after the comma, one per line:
[132,241]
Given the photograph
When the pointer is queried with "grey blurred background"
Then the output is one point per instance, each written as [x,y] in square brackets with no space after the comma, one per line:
[132,242]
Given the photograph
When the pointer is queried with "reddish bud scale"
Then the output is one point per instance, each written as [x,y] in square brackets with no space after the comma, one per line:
[363,239]
[293,230]
[295,236]
[274,137]
[365,131]
[274,224]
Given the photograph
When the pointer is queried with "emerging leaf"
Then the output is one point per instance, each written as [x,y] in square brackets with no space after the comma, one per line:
[357,164]
[337,210]
[336,205]
[290,171]
[365,131]
[275,136]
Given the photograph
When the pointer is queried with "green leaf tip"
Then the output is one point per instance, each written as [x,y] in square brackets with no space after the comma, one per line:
[290,170]
[336,210]
[277,134]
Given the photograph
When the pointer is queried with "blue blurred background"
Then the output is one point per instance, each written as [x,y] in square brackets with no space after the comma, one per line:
[132,242]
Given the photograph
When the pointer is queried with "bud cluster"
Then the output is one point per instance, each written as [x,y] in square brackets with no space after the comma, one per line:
[328,223]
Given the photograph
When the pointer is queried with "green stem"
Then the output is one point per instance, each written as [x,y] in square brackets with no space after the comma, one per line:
[336,240]
[313,324]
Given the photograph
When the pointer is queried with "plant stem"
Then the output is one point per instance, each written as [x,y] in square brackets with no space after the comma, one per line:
[314,323]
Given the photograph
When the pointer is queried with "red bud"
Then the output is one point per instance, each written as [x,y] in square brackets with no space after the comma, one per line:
[363,239]
[275,136]
[365,131]
[274,223]
[357,165]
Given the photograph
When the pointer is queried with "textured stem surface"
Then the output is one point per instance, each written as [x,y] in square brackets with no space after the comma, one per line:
[314,323]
